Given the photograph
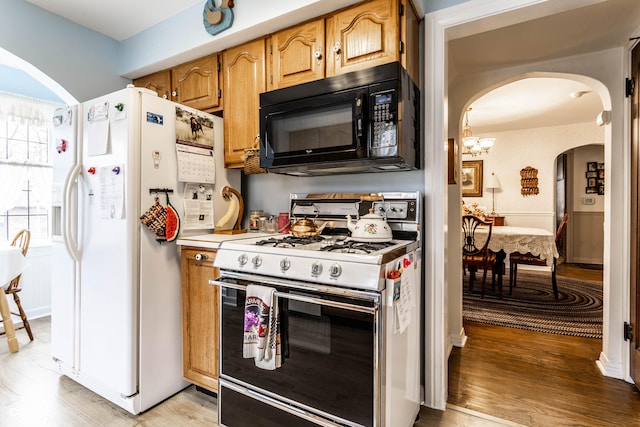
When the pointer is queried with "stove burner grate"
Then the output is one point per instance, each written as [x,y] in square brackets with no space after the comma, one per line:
[289,241]
[351,246]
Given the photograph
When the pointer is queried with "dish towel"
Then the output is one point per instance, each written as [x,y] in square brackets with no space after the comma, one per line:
[261,338]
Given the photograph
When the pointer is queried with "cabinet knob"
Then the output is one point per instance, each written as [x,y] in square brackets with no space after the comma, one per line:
[166,95]
[201,257]
[336,50]
[318,54]
[175,93]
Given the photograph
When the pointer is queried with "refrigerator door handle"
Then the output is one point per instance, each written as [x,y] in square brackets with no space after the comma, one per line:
[67,237]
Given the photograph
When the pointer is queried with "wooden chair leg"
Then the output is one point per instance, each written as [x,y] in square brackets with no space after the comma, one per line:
[23,315]
[472,276]
[553,280]
[484,282]
[512,272]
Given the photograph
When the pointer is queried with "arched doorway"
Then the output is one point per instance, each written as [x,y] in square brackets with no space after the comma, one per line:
[604,67]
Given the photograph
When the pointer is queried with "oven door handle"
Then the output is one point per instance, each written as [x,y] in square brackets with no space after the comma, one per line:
[302,298]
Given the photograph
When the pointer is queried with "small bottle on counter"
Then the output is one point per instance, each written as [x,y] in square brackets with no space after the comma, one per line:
[254,220]
[284,225]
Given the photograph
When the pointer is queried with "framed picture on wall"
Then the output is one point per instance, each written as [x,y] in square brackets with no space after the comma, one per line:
[471,178]
[592,166]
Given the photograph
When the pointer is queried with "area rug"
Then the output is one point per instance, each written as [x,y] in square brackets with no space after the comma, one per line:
[576,312]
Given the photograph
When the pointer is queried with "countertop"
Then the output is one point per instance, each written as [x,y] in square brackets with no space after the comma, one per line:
[213,241]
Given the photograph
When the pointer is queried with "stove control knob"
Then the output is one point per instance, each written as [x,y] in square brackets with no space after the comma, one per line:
[285,264]
[316,268]
[335,270]
[256,261]
[243,259]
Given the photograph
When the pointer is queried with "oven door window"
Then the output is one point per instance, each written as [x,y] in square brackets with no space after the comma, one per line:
[328,356]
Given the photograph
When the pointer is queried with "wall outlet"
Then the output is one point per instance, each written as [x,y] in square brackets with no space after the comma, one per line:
[588,201]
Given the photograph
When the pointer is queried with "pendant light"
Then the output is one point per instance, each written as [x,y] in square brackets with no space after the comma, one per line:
[472,144]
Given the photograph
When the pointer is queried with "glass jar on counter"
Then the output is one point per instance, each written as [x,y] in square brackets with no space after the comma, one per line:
[254,220]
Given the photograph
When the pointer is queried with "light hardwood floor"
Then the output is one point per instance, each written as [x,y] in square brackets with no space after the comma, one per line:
[502,377]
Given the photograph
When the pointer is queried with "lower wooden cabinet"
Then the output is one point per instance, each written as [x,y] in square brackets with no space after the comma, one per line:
[199,318]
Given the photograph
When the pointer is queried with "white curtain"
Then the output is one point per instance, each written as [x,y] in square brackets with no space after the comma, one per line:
[13,174]
[24,110]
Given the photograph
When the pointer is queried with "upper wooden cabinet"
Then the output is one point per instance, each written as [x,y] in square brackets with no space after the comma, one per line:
[362,36]
[195,84]
[159,82]
[297,55]
[244,81]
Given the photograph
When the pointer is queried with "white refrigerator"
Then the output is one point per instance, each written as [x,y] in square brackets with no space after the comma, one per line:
[116,298]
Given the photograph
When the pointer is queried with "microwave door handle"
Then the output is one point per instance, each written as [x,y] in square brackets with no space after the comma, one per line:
[359,107]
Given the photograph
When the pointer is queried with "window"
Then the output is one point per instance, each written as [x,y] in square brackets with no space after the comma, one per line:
[25,166]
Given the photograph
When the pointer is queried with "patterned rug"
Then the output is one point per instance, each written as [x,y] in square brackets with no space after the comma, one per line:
[576,312]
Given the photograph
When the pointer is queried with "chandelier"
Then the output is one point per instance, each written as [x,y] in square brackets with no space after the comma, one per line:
[472,144]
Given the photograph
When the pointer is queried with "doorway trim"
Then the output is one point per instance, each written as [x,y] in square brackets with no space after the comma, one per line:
[439,28]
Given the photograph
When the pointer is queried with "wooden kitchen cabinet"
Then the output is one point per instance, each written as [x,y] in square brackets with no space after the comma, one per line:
[199,318]
[159,82]
[362,36]
[296,55]
[195,83]
[244,81]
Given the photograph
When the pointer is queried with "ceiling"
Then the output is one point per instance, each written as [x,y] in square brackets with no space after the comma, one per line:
[118,19]
[524,104]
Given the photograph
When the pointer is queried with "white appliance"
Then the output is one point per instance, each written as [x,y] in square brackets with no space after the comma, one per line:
[116,303]
[349,326]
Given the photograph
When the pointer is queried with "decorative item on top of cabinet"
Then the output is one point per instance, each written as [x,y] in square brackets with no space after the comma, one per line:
[199,318]
[217,19]
[529,181]
[244,81]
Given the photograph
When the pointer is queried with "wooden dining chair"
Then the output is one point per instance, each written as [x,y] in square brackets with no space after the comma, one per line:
[20,240]
[516,258]
[475,249]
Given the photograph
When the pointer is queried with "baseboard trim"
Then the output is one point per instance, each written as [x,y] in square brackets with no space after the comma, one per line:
[458,340]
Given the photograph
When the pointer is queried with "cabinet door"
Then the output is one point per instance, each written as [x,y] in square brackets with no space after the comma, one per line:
[197,83]
[244,81]
[363,36]
[199,319]
[297,55]
[159,82]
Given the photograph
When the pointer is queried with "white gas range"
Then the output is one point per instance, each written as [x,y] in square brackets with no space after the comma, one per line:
[349,321]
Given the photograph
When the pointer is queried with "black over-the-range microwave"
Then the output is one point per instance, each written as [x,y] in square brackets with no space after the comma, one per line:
[364,121]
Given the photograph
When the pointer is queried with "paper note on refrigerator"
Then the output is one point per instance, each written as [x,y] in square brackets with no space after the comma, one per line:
[198,206]
[111,193]
[98,129]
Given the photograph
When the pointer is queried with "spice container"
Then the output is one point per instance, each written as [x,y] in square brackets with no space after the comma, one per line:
[254,220]
[284,225]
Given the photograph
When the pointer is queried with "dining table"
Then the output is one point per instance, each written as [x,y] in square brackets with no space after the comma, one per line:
[12,263]
[508,239]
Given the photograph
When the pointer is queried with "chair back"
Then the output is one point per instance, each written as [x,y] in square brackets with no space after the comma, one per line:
[561,227]
[477,234]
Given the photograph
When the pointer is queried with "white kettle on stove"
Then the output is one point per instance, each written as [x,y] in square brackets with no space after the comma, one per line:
[370,228]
